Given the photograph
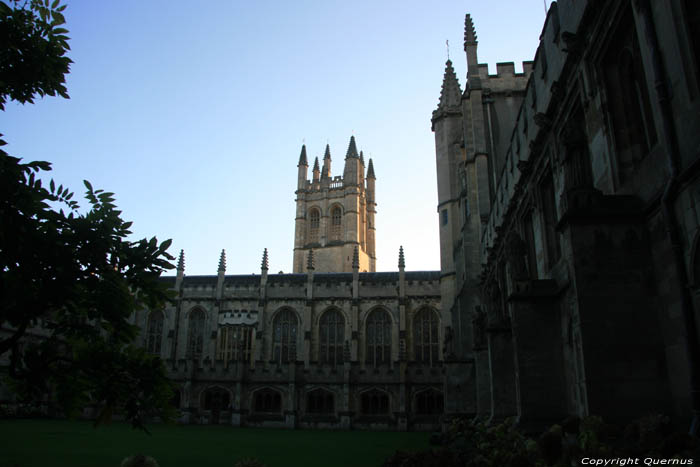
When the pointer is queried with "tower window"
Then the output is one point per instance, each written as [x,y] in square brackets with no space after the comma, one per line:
[336,223]
[314,224]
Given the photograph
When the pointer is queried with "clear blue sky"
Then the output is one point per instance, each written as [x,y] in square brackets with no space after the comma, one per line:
[194,113]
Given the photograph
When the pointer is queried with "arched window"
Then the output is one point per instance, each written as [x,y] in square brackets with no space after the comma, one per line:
[267,401]
[336,223]
[314,225]
[430,402]
[284,336]
[374,402]
[195,335]
[331,337]
[378,349]
[425,336]
[320,401]
[154,332]
[234,344]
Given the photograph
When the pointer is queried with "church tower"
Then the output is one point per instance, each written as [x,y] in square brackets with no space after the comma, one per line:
[334,215]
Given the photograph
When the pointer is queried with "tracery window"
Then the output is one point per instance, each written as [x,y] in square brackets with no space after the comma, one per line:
[267,401]
[430,402]
[378,347]
[331,337]
[374,402]
[284,336]
[425,336]
[314,225]
[336,223]
[234,344]
[549,214]
[195,334]
[320,401]
[154,332]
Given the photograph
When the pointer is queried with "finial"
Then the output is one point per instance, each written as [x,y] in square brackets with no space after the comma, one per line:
[302,156]
[356,258]
[352,148]
[222,261]
[370,169]
[327,154]
[402,262]
[264,264]
[181,261]
[316,169]
[310,261]
[447,44]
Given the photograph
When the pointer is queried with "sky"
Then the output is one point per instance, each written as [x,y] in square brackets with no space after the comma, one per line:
[194,113]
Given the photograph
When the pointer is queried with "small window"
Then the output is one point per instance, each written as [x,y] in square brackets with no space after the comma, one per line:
[444,217]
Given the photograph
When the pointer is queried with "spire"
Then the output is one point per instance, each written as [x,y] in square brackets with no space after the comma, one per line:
[356,258]
[302,156]
[310,261]
[402,262]
[451,93]
[370,169]
[264,264]
[316,165]
[327,154]
[352,148]
[222,261]
[326,171]
[181,261]
[362,158]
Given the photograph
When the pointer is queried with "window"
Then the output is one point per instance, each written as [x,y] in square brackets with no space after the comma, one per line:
[336,223]
[331,337]
[154,332]
[320,401]
[195,336]
[378,338]
[530,241]
[444,218]
[628,98]
[374,402]
[430,402]
[216,399]
[235,343]
[692,15]
[314,224]
[267,401]
[284,337]
[549,215]
[425,336]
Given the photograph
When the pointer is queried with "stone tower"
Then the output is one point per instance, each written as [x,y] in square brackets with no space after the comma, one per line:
[335,214]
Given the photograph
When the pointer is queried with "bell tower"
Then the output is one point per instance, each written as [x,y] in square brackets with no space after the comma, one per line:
[335,214]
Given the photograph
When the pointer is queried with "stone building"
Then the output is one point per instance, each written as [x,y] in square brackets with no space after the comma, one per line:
[328,346]
[569,211]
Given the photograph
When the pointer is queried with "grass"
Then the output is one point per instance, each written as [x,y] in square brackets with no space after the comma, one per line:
[42,443]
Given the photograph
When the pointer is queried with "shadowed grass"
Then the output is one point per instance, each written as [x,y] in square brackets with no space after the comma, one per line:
[41,443]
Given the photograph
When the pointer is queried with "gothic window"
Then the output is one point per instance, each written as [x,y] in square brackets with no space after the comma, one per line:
[336,223]
[331,337]
[175,401]
[692,15]
[374,402]
[216,399]
[425,336]
[195,334]
[378,350]
[314,225]
[628,98]
[284,336]
[234,344]
[529,235]
[549,217]
[267,401]
[154,332]
[430,402]
[320,401]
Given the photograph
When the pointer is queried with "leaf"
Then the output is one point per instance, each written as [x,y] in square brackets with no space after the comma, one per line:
[54,4]
[52,185]
[87,185]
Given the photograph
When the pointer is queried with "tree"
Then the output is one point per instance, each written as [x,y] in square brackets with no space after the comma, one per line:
[69,279]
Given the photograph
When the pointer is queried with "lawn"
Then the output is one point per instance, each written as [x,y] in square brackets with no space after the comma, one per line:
[44,443]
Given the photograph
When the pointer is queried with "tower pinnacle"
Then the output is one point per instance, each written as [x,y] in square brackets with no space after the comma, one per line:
[264,264]
[222,261]
[370,169]
[451,93]
[302,156]
[352,148]
[181,261]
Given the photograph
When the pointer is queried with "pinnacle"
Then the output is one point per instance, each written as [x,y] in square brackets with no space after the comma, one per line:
[469,32]
[402,261]
[302,156]
[352,148]
[362,158]
[222,261]
[327,154]
[181,261]
[310,261]
[356,258]
[370,169]
[264,264]
[451,93]
[316,168]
